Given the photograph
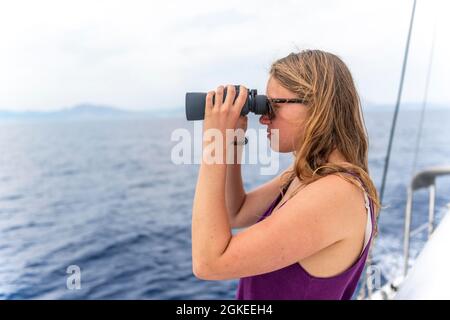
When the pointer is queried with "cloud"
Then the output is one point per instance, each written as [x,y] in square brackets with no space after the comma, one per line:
[146,55]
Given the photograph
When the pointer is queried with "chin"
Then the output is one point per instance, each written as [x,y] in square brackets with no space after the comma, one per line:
[287,150]
[280,148]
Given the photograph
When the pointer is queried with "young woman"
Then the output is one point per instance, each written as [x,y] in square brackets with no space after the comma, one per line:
[308,230]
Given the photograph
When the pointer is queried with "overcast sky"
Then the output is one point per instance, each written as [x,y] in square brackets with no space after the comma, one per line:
[143,55]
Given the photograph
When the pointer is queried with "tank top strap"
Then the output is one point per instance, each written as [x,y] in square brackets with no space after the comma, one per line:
[369,207]
[286,187]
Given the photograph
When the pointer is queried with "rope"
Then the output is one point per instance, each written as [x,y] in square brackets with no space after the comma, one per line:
[397,105]
[424,103]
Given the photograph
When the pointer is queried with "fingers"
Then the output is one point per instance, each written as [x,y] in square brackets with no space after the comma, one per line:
[209,102]
[219,97]
[243,94]
[229,103]
[231,94]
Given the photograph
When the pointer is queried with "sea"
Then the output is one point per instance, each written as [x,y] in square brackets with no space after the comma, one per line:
[105,196]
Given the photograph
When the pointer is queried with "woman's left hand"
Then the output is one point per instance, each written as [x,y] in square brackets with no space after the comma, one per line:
[224,115]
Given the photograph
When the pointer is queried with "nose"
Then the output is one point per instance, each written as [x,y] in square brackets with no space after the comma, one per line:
[264,119]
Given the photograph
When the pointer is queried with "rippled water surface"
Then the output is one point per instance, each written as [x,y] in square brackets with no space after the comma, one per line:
[105,196]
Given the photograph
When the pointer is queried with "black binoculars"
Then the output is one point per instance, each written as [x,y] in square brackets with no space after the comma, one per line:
[196,101]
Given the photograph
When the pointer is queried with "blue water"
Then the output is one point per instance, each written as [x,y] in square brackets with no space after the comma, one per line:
[104,195]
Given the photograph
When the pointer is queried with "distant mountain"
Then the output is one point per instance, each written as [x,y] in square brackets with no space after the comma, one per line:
[88,111]
[91,110]
[97,112]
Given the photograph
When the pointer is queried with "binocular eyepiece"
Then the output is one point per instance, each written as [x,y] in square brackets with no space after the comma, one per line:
[196,101]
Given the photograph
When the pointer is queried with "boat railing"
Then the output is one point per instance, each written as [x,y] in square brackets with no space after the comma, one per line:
[423,179]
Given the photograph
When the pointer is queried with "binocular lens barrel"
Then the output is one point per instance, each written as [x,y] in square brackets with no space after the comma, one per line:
[196,102]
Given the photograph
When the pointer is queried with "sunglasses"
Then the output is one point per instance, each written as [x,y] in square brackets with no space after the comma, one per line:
[270,105]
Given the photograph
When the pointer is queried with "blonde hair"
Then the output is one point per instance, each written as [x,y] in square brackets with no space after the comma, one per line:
[334,119]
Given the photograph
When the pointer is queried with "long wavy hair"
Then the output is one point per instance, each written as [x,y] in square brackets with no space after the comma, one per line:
[334,120]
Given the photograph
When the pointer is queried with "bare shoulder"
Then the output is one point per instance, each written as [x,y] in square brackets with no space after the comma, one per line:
[334,186]
[335,198]
[346,190]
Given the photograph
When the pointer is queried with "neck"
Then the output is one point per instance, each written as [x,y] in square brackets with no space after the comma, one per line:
[336,157]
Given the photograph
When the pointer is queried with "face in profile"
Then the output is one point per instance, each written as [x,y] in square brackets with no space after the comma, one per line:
[288,117]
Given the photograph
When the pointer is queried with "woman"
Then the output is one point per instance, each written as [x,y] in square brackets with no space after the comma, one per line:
[309,229]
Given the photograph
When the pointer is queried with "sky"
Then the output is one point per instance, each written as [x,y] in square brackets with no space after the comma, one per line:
[145,55]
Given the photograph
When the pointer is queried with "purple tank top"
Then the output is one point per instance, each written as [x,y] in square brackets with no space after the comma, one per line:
[295,283]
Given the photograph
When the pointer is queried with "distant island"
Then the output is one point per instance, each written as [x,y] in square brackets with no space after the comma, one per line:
[88,111]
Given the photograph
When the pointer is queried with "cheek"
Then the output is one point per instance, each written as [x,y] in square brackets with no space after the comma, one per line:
[289,130]
[291,135]
[291,127]
[294,118]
